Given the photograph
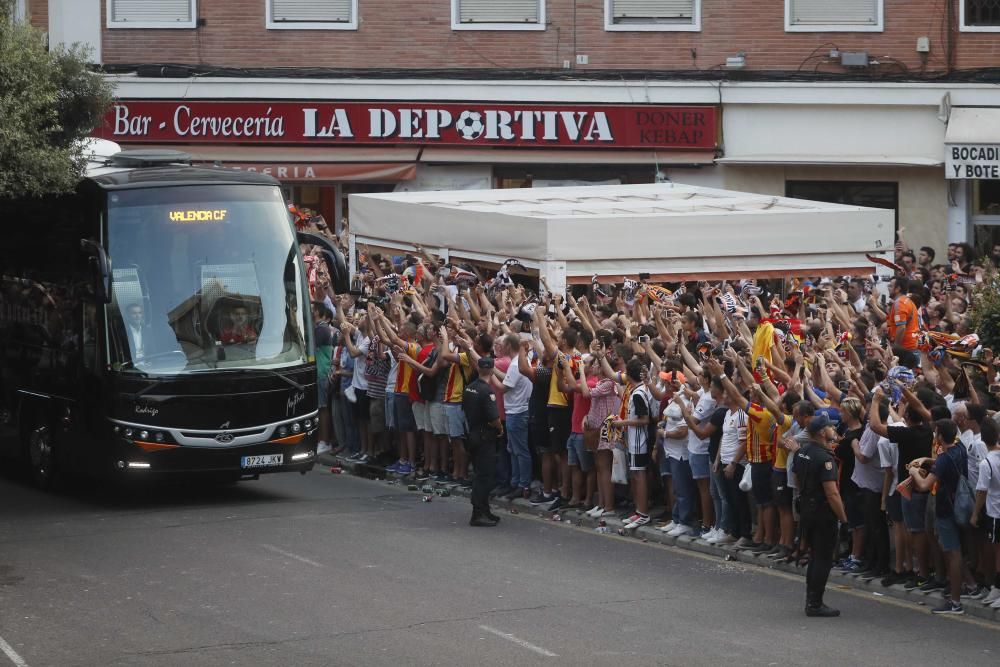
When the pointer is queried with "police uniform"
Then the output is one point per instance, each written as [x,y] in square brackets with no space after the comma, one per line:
[813,465]
[480,406]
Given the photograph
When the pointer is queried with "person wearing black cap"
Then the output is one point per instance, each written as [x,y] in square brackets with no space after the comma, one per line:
[483,421]
[820,508]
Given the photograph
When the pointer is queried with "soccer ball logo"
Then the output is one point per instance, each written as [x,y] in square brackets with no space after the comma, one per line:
[470,125]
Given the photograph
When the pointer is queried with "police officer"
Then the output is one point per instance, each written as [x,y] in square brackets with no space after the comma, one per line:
[820,507]
[480,406]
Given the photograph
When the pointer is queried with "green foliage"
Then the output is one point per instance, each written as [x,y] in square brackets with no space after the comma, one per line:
[49,101]
[986,308]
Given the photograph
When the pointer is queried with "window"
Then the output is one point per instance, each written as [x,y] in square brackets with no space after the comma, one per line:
[652,15]
[498,14]
[312,14]
[979,15]
[152,13]
[833,15]
[873,194]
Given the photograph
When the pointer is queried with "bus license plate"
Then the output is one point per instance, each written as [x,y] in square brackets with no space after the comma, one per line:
[262,461]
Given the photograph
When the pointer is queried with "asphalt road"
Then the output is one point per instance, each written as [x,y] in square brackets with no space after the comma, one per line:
[335,570]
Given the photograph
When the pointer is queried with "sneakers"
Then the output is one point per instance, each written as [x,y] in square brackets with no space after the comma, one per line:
[393,468]
[595,512]
[639,519]
[932,585]
[679,530]
[856,567]
[404,469]
[744,543]
[949,607]
[914,583]
[761,548]
[724,539]
[976,592]
[540,498]
[993,596]
[848,563]
[996,604]
[556,504]
[422,476]
[670,526]
[894,578]
[323,448]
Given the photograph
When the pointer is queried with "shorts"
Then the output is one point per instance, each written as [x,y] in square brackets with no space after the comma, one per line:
[376,414]
[948,534]
[403,411]
[638,461]
[362,407]
[894,508]
[455,419]
[538,432]
[760,475]
[915,512]
[700,466]
[578,456]
[779,488]
[323,389]
[422,417]
[389,411]
[439,420]
[992,527]
[854,505]
[559,429]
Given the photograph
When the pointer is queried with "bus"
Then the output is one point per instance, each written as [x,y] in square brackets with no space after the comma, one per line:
[157,321]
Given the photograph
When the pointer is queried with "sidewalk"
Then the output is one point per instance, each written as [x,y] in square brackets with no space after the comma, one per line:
[973,608]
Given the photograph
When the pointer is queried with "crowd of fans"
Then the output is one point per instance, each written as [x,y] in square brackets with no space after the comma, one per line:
[621,398]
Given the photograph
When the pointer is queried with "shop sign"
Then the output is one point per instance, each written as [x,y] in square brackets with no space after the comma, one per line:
[972,161]
[355,123]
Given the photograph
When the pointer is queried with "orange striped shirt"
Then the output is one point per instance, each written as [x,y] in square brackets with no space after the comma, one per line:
[455,384]
[405,376]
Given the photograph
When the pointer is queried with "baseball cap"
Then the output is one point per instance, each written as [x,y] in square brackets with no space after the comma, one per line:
[818,423]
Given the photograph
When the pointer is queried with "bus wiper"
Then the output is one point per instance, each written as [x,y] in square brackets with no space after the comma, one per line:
[270,371]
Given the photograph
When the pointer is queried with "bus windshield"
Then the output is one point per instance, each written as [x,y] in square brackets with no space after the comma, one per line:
[204,277]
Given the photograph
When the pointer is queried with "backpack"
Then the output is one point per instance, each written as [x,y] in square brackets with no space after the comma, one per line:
[965,498]
[427,384]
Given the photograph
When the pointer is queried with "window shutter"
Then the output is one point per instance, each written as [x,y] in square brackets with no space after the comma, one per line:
[311,11]
[151,11]
[498,11]
[834,12]
[633,10]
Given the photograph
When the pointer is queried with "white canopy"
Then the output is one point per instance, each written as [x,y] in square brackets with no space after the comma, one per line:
[672,232]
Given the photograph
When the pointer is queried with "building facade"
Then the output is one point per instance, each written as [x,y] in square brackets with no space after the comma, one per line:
[886,103]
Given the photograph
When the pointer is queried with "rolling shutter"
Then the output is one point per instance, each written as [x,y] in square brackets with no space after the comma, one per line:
[311,11]
[498,11]
[635,10]
[834,12]
[151,11]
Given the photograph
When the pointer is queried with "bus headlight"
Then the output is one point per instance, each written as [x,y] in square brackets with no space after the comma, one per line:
[159,437]
[282,431]
[296,427]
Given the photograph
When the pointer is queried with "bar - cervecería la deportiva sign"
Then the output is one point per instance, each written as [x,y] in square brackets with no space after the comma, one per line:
[359,123]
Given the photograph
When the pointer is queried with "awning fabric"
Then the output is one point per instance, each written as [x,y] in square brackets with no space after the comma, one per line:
[968,125]
[664,229]
[344,172]
[834,160]
[283,154]
[556,157]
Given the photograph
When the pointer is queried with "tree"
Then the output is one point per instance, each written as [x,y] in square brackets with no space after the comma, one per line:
[49,102]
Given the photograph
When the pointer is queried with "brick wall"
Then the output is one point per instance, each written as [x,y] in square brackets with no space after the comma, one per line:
[417,34]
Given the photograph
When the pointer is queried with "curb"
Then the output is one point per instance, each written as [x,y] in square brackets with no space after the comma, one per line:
[838,579]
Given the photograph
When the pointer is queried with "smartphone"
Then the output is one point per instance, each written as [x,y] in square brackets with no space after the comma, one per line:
[844,385]
[643,338]
[725,344]
[673,376]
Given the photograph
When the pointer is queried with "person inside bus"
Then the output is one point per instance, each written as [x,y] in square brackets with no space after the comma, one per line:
[239,329]
[134,325]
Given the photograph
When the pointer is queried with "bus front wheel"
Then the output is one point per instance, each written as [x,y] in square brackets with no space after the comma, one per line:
[42,457]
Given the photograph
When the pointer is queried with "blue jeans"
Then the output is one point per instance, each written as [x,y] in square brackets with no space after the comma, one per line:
[517,445]
[351,426]
[719,500]
[680,472]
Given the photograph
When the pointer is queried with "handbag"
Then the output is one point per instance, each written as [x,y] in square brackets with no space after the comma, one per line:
[619,466]
[746,482]
[591,438]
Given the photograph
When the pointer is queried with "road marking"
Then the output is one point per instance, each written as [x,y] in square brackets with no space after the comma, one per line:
[12,654]
[520,642]
[289,554]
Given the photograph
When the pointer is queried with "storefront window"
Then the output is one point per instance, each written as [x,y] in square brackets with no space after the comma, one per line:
[986,198]
[873,194]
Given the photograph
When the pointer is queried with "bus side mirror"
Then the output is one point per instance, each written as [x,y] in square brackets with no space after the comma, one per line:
[334,259]
[101,267]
